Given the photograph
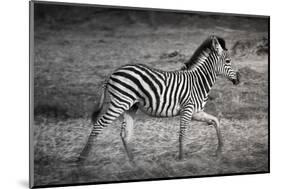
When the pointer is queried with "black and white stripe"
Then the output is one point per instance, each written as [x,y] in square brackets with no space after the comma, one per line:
[166,93]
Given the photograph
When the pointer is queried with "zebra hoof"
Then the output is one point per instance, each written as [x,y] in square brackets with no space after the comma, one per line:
[180,158]
[218,152]
[132,162]
[81,160]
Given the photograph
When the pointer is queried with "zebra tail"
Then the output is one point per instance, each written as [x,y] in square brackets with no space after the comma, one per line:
[96,112]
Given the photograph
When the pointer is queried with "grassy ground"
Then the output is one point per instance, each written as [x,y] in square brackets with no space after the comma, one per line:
[71,61]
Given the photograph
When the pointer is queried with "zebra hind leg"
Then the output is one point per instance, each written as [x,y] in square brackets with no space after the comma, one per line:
[127,131]
[210,119]
[107,118]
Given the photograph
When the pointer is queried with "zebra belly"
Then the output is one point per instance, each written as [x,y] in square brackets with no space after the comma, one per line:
[159,112]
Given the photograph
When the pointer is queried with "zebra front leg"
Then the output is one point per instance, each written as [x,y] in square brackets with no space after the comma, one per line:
[205,117]
[127,131]
[186,114]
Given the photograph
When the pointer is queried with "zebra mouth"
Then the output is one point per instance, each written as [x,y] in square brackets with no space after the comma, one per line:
[237,80]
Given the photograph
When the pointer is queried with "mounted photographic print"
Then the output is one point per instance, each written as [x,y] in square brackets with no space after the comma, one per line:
[121,94]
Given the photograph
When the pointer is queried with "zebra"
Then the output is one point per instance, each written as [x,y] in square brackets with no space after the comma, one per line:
[160,93]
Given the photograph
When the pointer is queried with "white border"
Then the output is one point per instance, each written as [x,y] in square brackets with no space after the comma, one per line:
[14,93]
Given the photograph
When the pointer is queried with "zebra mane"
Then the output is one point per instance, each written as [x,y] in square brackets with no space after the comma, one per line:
[205,46]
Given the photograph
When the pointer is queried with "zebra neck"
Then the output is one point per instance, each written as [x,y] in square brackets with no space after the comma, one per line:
[205,73]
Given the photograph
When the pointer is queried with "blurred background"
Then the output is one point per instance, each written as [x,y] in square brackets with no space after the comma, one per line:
[77,47]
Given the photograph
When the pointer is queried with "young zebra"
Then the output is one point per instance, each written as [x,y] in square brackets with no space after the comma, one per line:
[164,94]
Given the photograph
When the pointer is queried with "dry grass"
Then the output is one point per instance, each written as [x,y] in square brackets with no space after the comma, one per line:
[155,150]
[70,64]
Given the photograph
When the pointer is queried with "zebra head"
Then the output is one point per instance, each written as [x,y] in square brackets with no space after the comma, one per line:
[224,67]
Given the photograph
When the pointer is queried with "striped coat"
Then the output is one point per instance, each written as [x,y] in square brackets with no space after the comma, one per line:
[164,93]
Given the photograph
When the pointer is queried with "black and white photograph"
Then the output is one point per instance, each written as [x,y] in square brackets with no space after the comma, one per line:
[122,94]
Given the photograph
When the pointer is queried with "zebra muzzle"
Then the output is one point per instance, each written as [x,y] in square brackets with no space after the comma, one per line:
[236,81]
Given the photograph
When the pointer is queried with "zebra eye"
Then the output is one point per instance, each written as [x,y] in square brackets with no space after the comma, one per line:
[227,61]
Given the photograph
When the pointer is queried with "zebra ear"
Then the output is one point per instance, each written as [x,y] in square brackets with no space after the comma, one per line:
[216,45]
